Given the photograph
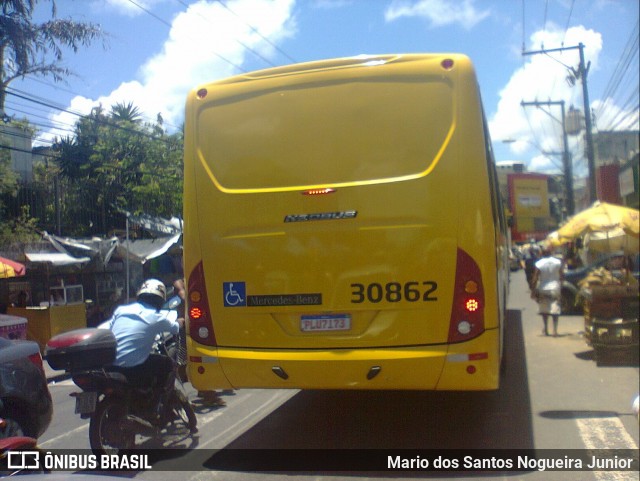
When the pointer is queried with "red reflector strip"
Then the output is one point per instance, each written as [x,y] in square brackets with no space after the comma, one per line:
[203,359]
[477,356]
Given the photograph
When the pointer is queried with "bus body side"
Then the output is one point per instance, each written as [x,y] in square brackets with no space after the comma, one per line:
[342,228]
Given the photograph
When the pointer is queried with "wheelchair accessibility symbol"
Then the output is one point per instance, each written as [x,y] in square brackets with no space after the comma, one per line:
[235,294]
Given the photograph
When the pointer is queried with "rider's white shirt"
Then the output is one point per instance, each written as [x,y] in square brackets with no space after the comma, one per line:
[135,327]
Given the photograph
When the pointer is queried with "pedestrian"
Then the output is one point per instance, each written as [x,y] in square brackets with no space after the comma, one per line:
[531,255]
[546,288]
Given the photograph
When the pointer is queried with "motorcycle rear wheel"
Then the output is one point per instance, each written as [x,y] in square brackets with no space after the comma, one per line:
[109,431]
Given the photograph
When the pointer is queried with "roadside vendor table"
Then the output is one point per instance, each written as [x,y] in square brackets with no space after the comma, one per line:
[46,322]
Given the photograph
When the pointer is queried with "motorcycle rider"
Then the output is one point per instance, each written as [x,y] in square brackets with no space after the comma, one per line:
[135,327]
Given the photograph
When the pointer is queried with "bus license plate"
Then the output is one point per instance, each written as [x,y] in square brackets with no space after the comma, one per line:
[339,322]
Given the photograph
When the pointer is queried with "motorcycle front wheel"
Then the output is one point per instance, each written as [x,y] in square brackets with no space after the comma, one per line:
[182,410]
[109,431]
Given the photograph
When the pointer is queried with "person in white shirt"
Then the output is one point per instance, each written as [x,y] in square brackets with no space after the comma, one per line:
[135,327]
[547,282]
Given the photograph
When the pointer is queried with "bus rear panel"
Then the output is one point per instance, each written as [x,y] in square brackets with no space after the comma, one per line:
[341,228]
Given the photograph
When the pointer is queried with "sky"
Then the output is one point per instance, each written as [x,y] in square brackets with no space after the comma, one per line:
[155,51]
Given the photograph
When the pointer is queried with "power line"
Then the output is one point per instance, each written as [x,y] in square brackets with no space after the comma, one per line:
[253,29]
[624,75]
[31,115]
[161,20]
[76,94]
[17,149]
[255,52]
[13,92]
[566,28]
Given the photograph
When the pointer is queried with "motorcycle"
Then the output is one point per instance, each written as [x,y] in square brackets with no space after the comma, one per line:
[120,414]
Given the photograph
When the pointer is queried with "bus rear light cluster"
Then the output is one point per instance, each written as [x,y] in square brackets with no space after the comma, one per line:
[200,324]
[467,311]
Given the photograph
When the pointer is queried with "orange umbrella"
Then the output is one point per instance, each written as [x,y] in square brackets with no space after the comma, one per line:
[9,268]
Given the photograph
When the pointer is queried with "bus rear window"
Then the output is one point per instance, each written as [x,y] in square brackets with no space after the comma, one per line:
[340,132]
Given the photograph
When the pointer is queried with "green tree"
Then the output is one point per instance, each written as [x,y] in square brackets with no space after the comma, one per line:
[28,48]
[121,164]
[17,223]
[8,178]
[126,113]
[18,230]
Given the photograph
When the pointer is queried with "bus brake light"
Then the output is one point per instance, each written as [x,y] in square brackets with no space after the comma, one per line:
[200,322]
[318,191]
[472,305]
[467,312]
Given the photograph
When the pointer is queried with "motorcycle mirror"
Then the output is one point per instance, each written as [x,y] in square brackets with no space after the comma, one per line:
[172,303]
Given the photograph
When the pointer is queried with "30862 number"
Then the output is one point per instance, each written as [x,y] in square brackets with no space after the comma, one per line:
[413,291]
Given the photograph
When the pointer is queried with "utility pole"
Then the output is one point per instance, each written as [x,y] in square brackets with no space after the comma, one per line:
[581,73]
[567,163]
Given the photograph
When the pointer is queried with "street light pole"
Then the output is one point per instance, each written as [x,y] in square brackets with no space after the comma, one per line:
[567,162]
[581,73]
[591,162]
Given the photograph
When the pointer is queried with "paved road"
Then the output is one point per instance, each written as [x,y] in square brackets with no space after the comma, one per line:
[553,396]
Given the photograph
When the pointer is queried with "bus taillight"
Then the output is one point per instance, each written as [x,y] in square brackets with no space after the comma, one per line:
[200,323]
[467,310]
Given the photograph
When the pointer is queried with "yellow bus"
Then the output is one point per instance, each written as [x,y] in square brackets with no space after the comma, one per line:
[343,228]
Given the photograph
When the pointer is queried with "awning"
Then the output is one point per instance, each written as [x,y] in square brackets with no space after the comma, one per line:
[56,258]
[147,249]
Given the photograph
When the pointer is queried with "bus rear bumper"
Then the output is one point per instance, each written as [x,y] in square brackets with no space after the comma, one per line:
[470,365]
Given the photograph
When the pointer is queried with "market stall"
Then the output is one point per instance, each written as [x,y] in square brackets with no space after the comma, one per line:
[65,311]
[610,294]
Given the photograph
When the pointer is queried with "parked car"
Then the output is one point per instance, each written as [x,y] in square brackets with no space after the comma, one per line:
[26,407]
[614,262]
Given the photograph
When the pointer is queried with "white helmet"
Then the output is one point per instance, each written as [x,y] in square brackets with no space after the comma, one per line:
[153,287]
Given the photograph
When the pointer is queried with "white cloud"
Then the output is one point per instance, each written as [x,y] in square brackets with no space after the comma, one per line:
[438,12]
[206,42]
[543,78]
[125,7]
[609,116]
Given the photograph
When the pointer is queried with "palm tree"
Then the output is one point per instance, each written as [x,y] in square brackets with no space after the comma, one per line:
[126,113]
[26,47]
